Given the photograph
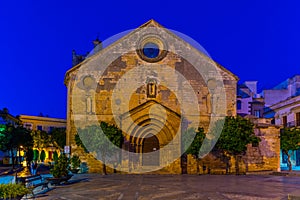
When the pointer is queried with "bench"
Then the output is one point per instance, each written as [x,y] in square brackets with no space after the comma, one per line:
[33,182]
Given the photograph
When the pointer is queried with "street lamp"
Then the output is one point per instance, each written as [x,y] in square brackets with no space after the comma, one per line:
[21,153]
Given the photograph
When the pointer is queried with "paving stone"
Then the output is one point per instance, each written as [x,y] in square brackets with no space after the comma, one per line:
[158,187]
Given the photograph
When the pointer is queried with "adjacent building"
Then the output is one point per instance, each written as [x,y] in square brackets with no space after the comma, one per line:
[42,123]
[7,118]
[249,102]
[47,124]
[282,104]
[33,123]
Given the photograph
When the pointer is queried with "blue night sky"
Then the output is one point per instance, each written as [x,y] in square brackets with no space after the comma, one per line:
[256,40]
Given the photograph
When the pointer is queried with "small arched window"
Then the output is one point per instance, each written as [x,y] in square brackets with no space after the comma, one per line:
[151,88]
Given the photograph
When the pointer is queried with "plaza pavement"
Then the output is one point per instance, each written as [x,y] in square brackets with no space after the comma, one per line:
[165,187]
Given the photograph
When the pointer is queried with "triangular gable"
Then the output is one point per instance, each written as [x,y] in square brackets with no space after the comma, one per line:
[150,23]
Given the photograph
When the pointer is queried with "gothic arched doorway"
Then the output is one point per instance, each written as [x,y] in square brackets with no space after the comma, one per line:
[150,151]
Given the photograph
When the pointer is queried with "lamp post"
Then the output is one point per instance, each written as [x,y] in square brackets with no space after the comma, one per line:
[19,156]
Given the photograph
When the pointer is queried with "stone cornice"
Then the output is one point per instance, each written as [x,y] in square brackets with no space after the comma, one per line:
[294,101]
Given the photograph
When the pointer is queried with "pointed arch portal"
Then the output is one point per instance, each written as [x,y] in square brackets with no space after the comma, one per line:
[150,133]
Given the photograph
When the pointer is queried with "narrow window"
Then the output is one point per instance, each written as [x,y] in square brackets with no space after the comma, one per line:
[257,113]
[40,128]
[298,119]
[151,89]
[284,121]
[239,104]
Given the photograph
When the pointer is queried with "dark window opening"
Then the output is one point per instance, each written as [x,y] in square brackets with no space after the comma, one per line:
[298,119]
[239,104]
[284,121]
[257,113]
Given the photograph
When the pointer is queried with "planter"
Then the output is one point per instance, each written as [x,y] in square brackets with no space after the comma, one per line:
[59,180]
[75,171]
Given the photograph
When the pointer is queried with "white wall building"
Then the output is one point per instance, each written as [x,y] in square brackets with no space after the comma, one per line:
[283,105]
[283,102]
[248,101]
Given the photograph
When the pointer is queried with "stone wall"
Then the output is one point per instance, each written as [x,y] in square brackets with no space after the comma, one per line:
[264,157]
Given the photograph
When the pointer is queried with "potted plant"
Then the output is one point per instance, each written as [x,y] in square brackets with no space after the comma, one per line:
[60,170]
[42,156]
[75,164]
[36,155]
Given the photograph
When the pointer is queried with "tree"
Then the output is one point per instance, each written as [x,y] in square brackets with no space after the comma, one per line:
[105,141]
[289,142]
[55,156]
[41,139]
[24,141]
[12,138]
[58,136]
[236,134]
[194,147]
[29,156]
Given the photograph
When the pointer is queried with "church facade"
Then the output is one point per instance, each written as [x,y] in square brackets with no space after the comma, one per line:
[154,86]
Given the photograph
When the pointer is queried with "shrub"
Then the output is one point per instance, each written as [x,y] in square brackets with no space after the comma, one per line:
[75,162]
[61,167]
[11,190]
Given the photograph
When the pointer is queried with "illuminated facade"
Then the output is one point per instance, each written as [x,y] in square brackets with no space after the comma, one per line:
[47,124]
[283,106]
[42,123]
[147,128]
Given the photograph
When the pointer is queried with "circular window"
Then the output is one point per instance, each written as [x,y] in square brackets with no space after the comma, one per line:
[88,82]
[151,48]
